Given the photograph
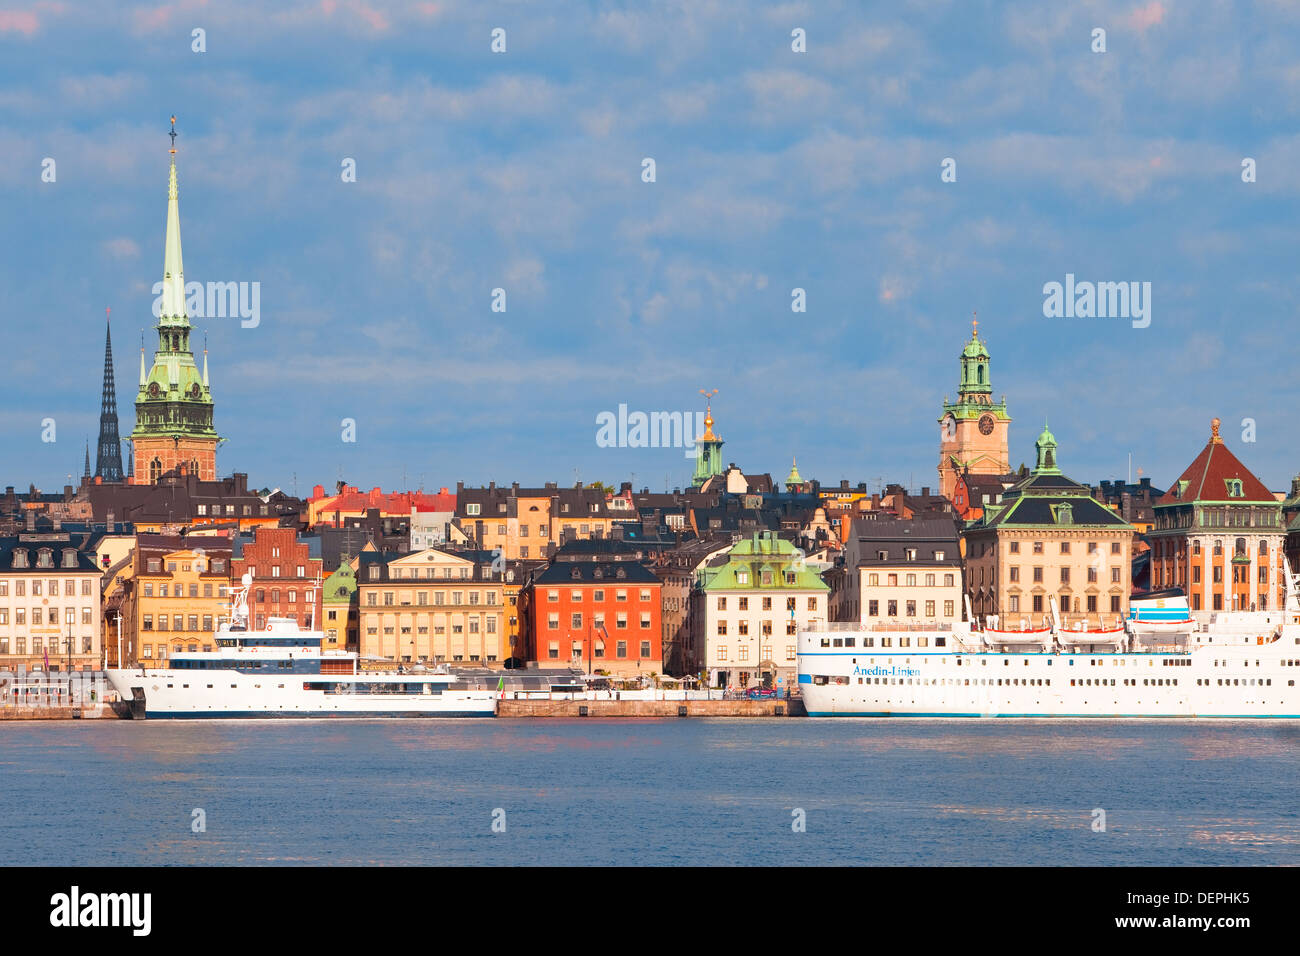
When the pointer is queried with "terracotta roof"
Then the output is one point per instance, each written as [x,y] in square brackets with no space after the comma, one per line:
[1206,478]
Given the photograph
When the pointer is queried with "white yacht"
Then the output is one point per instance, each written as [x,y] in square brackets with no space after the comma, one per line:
[1158,663]
[283,672]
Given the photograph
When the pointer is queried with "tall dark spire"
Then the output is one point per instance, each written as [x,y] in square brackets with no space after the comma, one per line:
[108,457]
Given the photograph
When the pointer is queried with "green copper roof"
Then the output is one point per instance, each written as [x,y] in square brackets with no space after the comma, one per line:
[1046,446]
[340,586]
[750,558]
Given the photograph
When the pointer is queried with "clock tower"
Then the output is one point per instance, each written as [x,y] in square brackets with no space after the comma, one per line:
[173,410]
[973,430]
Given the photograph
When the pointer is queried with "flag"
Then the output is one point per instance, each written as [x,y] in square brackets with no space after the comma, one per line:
[501,686]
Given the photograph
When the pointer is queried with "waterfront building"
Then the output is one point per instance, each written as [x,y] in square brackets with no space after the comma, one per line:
[899,573]
[340,609]
[286,576]
[431,606]
[173,432]
[602,615]
[1134,502]
[753,600]
[1219,535]
[1049,539]
[177,593]
[49,600]
[973,435]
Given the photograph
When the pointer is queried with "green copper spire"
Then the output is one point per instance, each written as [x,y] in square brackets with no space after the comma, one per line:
[1046,446]
[173,293]
[708,447]
[793,478]
[174,398]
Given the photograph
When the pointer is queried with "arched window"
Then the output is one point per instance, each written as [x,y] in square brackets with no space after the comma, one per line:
[979,374]
[155,470]
[1241,546]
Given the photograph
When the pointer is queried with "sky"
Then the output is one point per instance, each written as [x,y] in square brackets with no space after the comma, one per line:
[774,170]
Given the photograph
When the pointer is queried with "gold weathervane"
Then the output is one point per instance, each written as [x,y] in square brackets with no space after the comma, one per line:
[172,134]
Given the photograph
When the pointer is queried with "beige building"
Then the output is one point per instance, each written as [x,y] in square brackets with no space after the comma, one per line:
[899,573]
[1049,540]
[49,602]
[432,606]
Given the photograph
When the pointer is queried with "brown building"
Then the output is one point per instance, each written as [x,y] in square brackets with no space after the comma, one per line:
[286,576]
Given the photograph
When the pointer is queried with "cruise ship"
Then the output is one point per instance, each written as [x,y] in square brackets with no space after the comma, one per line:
[282,671]
[1157,663]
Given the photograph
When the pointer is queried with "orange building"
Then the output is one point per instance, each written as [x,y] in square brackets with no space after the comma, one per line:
[602,615]
[1219,535]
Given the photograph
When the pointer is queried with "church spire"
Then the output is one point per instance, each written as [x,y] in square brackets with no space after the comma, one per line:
[108,451]
[173,293]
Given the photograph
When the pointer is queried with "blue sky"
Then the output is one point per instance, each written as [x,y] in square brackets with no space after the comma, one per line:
[774,170]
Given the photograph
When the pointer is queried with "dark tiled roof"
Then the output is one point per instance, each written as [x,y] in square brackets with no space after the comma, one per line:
[597,572]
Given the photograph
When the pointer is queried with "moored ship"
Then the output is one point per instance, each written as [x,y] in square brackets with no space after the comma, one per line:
[1158,663]
[282,671]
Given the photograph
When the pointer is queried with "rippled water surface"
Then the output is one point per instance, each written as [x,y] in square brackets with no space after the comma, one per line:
[650,792]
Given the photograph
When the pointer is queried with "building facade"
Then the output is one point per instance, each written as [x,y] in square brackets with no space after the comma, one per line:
[1049,540]
[286,577]
[431,606]
[179,593]
[973,429]
[754,601]
[600,616]
[901,573]
[340,610]
[50,602]
[1219,535]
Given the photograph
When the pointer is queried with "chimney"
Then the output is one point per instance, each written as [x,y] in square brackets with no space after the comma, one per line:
[58,522]
[31,520]
[925,491]
[514,488]
[492,486]
[460,487]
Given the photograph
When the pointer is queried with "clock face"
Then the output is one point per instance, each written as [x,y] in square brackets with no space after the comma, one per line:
[194,390]
[986,424]
[153,389]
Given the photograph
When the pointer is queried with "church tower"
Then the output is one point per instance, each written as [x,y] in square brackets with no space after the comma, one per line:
[973,430]
[708,449]
[108,455]
[173,410]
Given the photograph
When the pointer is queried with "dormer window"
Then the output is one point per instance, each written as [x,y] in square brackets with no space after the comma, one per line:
[742,577]
[1234,487]
[938,556]
[374,572]
[911,554]
[576,574]
[45,558]
[598,573]
[472,509]
[882,555]
[20,558]
[620,573]
[69,557]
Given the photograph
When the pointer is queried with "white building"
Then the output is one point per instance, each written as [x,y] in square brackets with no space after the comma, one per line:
[753,602]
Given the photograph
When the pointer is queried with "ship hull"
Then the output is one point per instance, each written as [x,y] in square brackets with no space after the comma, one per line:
[229,694]
[1248,680]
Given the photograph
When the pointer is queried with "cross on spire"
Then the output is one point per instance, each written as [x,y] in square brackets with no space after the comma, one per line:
[172,134]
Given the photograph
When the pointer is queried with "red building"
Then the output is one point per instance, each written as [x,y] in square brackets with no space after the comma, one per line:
[285,577]
[598,616]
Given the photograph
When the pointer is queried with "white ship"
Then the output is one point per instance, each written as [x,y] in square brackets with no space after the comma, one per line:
[283,672]
[1159,663]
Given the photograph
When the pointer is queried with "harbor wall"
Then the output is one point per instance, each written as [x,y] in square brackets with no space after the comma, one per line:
[650,708]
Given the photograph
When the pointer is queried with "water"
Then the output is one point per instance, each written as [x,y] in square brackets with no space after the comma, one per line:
[649,792]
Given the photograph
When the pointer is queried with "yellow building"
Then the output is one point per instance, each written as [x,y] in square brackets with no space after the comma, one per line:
[179,595]
[432,606]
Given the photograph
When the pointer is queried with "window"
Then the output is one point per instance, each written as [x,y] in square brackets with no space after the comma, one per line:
[472,509]
[645,620]
[645,648]
[575,621]
[553,621]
